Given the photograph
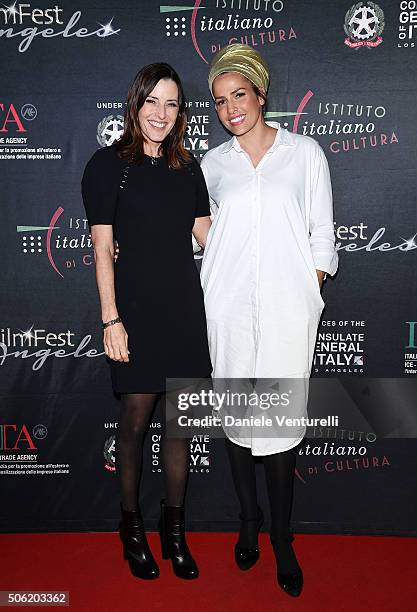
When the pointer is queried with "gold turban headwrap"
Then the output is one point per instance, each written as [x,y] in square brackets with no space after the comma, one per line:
[242,59]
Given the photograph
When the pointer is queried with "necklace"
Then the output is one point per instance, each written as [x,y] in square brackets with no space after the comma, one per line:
[154,160]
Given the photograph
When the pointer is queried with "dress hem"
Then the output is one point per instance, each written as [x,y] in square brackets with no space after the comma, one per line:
[282,450]
[159,390]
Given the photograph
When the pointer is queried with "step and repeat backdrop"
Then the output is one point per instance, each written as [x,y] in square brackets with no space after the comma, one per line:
[344,74]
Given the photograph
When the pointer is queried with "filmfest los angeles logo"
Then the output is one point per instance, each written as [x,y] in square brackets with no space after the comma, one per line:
[215,23]
[27,22]
[39,345]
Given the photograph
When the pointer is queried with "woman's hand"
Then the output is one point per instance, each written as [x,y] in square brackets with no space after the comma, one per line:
[115,342]
[320,277]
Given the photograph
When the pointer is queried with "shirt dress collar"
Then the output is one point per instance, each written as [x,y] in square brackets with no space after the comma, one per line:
[283,137]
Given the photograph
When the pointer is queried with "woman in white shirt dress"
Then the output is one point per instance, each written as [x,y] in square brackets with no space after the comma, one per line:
[268,251]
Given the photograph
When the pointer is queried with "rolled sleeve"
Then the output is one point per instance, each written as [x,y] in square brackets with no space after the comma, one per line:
[321,228]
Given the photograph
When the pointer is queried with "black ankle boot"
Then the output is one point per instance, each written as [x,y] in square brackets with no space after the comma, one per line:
[246,557]
[135,546]
[173,545]
[290,582]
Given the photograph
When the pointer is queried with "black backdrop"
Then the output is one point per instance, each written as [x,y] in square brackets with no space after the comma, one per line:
[65,73]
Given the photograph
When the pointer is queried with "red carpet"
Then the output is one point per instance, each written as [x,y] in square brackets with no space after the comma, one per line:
[344,573]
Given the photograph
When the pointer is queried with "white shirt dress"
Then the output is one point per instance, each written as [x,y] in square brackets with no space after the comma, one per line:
[272,228]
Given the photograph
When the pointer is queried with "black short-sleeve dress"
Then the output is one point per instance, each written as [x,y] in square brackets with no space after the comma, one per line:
[152,209]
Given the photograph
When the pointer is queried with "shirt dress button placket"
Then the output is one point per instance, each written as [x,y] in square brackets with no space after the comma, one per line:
[252,255]
[257,234]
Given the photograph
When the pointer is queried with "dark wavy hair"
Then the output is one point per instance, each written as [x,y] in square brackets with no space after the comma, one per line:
[130,145]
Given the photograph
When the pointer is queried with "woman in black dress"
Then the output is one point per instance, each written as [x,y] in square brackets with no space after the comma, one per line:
[148,193]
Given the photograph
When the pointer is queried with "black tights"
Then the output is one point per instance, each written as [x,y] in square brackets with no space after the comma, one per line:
[135,415]
[279,473]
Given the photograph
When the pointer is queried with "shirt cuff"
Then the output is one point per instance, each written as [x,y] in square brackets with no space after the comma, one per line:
[327,262]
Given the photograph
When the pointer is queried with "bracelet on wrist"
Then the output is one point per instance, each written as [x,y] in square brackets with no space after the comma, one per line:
[112,322]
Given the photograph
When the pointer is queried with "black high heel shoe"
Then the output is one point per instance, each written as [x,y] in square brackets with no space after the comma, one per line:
[290,582]
[173,544]
[136,550]
[246,557]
